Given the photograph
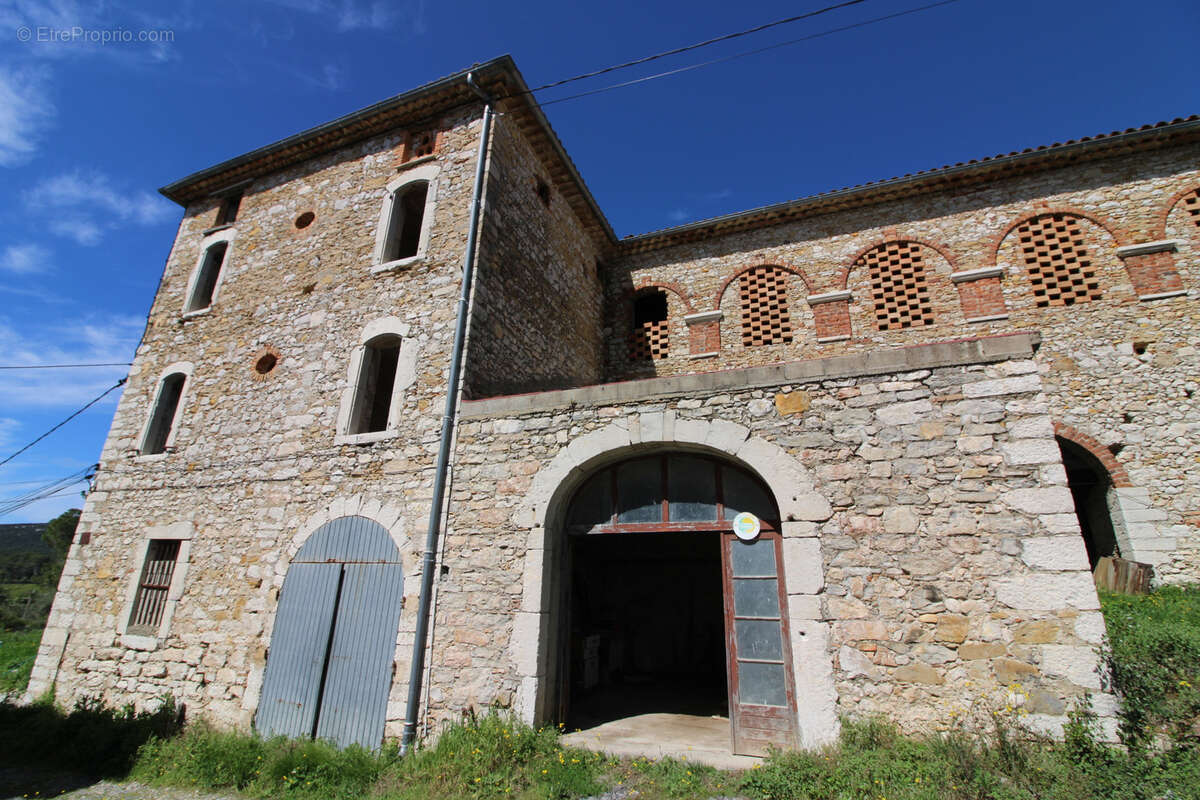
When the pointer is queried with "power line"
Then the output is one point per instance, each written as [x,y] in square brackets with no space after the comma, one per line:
[52,489]
[64,366]
[65,421]
[746,53]
[678,50]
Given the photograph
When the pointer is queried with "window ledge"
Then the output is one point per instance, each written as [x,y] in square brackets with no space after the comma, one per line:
[397,265]
[416,162]
[139,458]
[199,312]
[136,642]
[1162,295]
[216,229]
[987,318]
[365,438]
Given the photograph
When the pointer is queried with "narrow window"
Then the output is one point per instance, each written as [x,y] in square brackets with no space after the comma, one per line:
[153,587]
[163,416]
[649,338]
[206,278]
[228,211]
[765,318]
[404,227]
[376,380]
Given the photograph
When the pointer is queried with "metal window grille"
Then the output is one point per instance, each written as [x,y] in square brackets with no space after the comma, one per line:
[155,582]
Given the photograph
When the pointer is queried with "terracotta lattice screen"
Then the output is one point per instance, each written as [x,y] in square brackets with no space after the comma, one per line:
[1191,204]
[1058,263]
[899,286]
[649,340]
[765,318]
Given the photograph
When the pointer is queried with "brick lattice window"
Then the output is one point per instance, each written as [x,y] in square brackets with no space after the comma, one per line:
[765,318]
[899,286]
[153,587]
[650,337]
[1191,204]
[420,144]
[1058,263]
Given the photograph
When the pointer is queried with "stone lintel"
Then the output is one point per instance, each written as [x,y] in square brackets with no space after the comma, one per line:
[1162,295]
[702,317]
[988,318]
[827,297]
[976,274]
[1146,248]
[960,352]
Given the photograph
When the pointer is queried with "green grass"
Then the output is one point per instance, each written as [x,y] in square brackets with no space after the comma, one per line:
[17,652]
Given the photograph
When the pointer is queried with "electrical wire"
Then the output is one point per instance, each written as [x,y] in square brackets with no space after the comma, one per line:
[60,493]
[64,366]
[678,50]
[52,489]
[100,397]
[746,53]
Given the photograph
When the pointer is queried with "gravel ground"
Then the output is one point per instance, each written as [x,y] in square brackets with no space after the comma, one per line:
[17,784]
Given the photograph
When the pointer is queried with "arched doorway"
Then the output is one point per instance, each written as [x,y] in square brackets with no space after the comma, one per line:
[330,666]
[1092,489]
[666,609]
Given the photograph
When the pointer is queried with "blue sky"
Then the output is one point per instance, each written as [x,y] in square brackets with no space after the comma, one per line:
[89,130]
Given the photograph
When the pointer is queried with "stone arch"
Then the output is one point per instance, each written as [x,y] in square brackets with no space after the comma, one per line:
[389,515]
[674,288]
[801,508]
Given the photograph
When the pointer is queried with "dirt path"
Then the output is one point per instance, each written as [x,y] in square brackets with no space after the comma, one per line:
[19,784]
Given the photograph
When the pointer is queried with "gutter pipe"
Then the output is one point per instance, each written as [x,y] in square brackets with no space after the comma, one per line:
[429,560]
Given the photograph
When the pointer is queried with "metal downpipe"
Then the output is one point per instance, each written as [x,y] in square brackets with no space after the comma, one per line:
[429,560]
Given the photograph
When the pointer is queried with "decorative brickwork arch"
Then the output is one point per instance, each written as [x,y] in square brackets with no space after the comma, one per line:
[1118,234]
[543,512]
[673,288]
[1102,454]
[1189,199]
[799,273]
[765,308]
[1060,266]
[843,276]
[900,279]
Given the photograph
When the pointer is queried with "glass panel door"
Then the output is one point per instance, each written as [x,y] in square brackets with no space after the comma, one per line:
[762,706]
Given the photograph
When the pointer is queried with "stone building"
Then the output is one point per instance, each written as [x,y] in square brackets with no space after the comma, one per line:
[928,403]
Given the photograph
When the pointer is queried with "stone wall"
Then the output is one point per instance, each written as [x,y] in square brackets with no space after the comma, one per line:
[258,461]
[1119,368]
[536,311]
[932,555]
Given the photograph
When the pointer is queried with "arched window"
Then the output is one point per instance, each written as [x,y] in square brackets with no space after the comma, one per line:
[899,285]
[765,318]
[1056,260]
[405,221]
[162,418]
[375,384]
[650,337]
[205,282]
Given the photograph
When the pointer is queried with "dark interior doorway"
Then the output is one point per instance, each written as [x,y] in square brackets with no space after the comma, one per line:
[1090,484]
[647,627]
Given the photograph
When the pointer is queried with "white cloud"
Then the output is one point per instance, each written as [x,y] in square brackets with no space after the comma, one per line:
[24,259]
[678,214]
[8,431]
[94,205]
[26,111]
[87,340]
[372,16]
[353,15]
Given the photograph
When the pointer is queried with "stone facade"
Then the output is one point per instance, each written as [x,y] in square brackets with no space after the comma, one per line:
[905,413]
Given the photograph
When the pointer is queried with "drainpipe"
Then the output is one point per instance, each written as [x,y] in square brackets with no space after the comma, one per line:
[429,560]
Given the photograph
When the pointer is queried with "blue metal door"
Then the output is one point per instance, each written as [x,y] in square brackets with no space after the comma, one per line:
[330,667]
[299,643]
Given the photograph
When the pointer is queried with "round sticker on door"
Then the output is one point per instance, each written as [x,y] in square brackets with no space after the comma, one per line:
[746,526]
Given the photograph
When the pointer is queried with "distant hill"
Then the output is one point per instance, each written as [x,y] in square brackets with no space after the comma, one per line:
[23,537]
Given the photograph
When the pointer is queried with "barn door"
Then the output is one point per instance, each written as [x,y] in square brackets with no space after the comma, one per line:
[361,655]
[761,691]
[299,643]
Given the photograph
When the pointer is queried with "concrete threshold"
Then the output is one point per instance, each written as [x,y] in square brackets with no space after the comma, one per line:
[686,737]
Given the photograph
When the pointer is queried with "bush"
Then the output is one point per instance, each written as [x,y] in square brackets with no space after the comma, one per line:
[1153,656]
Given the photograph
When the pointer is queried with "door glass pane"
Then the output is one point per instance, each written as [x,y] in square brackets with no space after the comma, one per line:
[743,493]
[593,503]
[753,558]
[761,684]
[756,598]
[639,490]
[692,489]
[759,638]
